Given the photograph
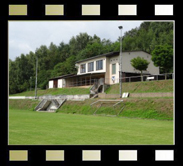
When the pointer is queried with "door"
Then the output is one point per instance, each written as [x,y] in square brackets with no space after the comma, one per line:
[55,83]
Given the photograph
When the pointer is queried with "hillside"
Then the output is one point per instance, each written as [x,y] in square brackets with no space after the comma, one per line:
[131,87]
[55,91]
[151,108]
[134,108]
[143,87]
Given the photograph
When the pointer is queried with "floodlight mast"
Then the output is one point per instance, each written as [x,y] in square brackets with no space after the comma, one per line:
[36,78]
[120,63]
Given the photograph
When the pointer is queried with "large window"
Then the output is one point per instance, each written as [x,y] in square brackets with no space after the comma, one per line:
[90,66]
[113,68]
[99,65]
[83,68]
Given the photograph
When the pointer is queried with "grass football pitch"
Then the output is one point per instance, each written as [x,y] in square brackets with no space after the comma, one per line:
[43,128]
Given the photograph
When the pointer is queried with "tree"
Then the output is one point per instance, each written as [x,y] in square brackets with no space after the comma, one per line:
[162,56]
[140,64]
[58,60]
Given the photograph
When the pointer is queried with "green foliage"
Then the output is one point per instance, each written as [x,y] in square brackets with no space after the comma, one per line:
[162,56]
[148,35]
[139,63]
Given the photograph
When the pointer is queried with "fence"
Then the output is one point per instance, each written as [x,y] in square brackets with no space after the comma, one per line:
[143,78]
[89,82]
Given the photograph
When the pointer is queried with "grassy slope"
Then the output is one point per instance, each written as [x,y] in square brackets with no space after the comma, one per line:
[151,108]
[142,87]
[57,91]
[37,128]
[132,87]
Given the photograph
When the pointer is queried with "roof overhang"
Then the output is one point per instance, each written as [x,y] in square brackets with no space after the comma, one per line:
[63,76]
[98,56]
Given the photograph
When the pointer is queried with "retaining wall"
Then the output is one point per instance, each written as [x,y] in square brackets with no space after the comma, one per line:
[103,95]
[159,94]
[68,97]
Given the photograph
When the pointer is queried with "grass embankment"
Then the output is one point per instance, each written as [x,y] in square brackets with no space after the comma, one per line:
[143,87]
[28,127]
[55,91]
[151,108]
[25,104]
[132,87]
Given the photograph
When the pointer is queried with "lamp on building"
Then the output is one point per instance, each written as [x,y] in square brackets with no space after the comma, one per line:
[120,63]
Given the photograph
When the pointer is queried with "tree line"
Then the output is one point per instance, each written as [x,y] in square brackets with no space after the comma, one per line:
[56,60]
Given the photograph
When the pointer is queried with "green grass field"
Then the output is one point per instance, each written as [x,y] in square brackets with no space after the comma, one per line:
[28,127]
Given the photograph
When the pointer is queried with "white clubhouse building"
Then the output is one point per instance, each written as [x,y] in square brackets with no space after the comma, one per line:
[104,66]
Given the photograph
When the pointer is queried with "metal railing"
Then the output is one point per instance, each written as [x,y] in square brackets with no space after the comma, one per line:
[142,78]
[89,82]
[115,104]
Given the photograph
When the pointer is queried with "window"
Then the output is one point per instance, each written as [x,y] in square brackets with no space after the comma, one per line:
[99,65]
[83,68]
[113,68]
[90,66]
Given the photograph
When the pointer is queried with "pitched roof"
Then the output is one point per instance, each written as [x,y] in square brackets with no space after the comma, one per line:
[107,55]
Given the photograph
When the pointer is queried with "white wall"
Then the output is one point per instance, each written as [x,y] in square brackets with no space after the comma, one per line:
[92,60]
[126,65]
[113,60]
[59,83]
[50,84]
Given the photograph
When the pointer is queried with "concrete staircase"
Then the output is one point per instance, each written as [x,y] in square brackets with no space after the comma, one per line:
[98,86]
[49,105]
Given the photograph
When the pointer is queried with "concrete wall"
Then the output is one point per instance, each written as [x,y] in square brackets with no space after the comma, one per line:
[103,95]
[17,97]
[50,84]
[164,94]
[68,97]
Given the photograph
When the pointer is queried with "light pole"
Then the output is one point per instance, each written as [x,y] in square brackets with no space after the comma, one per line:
[120,63]
[36,78]
[30,83]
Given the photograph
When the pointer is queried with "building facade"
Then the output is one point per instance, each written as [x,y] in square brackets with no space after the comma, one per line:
[104,66]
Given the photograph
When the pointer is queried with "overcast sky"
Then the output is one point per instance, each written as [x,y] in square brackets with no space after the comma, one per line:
[26,36]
